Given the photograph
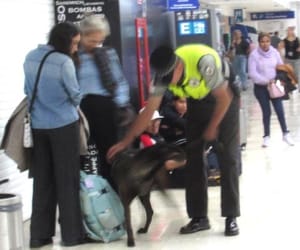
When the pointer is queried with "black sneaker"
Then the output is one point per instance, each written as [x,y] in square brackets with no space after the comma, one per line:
[195,225]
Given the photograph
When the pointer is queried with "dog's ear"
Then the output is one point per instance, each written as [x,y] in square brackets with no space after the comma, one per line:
[123,155]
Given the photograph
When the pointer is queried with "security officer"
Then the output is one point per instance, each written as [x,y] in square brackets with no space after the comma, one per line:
[195,71]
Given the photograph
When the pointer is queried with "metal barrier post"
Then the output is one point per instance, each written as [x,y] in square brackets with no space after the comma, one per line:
[11,222]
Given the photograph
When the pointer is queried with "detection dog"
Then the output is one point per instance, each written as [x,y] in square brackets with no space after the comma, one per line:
[136,174]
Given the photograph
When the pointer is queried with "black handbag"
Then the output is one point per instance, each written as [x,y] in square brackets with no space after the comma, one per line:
[287,83]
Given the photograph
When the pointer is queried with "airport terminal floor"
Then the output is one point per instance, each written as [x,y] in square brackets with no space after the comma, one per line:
[269,188]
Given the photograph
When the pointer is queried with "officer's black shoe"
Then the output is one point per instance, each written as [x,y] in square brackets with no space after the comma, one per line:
[231,227]
[195,225]
[37,243]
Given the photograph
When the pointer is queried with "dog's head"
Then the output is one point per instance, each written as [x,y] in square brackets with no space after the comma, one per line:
[146,167]
[148,161]
[168,155]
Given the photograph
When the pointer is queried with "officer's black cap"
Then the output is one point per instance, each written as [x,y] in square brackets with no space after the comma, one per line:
[163,61]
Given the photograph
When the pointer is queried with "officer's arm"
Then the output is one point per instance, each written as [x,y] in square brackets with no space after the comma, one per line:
[223,98]
[141,122]
[219,89]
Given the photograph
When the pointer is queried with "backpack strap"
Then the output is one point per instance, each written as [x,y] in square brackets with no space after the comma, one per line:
[38,78]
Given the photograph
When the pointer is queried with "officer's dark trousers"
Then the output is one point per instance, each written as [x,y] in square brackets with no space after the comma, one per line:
[55,173]
[198,116]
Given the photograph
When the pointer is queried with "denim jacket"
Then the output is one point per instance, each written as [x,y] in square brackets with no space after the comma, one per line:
[90,81]
[58,93]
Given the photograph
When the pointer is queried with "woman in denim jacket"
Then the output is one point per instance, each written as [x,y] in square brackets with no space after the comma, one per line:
[55,126]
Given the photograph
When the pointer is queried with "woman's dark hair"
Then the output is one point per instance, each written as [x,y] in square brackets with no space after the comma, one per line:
[261,35]
[61,36]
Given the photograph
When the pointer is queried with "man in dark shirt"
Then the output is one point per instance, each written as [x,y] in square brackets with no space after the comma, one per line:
[241,47]
[275,40]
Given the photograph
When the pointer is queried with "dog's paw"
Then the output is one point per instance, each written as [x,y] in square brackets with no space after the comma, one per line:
[130,243]
[142,231]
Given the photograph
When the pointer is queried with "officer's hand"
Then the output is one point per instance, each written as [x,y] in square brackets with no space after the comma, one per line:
[114,150]
[210,134]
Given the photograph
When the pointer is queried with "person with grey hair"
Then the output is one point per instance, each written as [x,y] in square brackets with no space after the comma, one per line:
[292,50]
[103,87]
[94,29]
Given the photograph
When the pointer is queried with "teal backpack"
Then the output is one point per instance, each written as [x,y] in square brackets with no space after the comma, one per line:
[102,210]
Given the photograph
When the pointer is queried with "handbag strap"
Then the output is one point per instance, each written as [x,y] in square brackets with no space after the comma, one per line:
[38,78]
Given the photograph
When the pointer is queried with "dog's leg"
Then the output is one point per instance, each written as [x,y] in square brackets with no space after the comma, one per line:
[126,200]
[149,212]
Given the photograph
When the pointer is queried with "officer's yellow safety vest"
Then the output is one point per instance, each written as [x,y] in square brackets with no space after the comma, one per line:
[193,84]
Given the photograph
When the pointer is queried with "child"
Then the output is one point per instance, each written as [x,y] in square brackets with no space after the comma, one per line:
[173,124]
[151,135]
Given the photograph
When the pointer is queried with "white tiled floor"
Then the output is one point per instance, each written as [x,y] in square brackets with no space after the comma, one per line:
[269,189]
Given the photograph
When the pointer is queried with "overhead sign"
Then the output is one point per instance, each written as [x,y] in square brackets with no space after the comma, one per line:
[255,16]
[183,4]
[74,11]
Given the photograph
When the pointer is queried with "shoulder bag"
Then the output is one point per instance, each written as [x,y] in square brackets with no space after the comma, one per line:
[276,89]
[27,136]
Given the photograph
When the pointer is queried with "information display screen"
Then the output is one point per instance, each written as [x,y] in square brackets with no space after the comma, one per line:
[192,27]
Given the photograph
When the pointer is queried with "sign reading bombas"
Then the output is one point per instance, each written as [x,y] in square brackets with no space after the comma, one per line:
[74,11]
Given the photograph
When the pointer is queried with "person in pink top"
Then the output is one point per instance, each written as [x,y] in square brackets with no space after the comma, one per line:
[262,70]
